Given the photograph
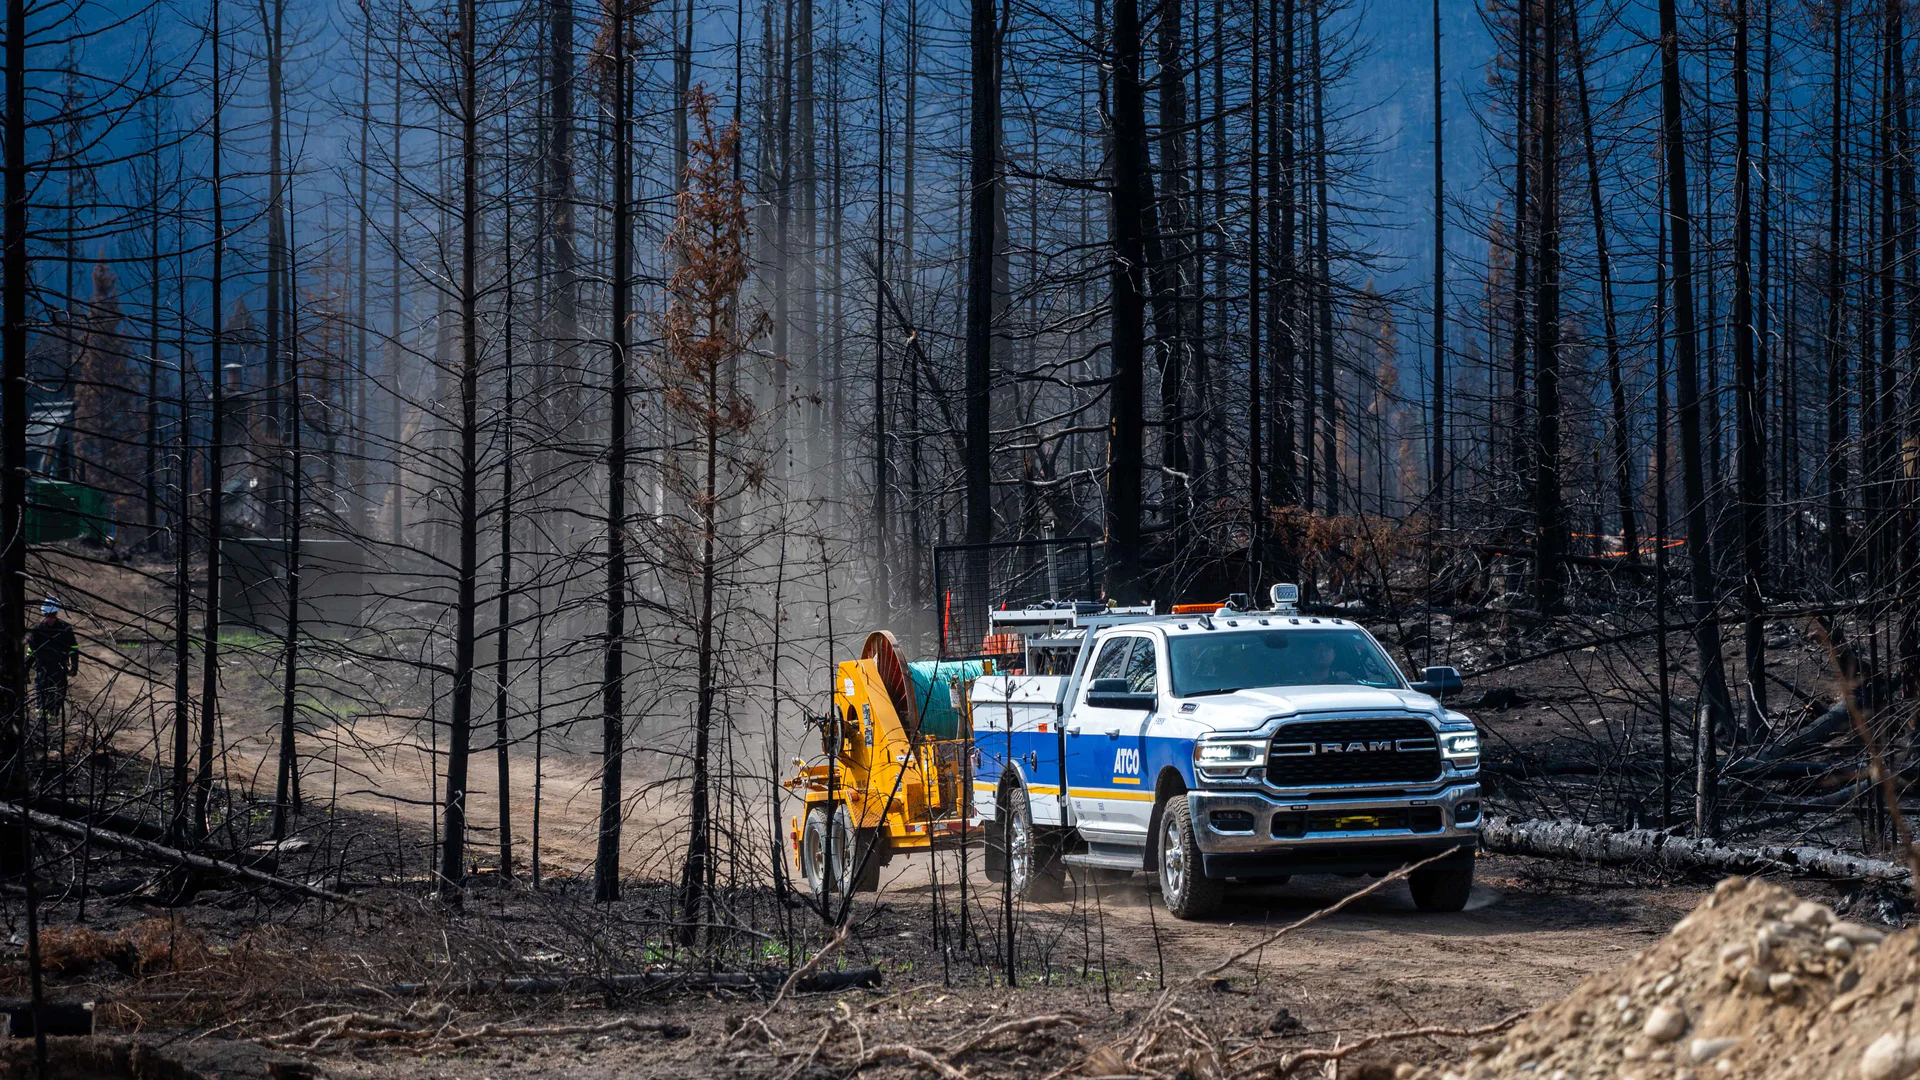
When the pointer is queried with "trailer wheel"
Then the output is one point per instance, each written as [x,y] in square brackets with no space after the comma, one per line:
[1184,885]
[1032,864]
[1444,886]
[850,850]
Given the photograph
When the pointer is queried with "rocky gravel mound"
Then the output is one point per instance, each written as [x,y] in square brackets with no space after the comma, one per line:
[1754,983]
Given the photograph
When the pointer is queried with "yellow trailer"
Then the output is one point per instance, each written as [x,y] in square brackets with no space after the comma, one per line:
[896,768]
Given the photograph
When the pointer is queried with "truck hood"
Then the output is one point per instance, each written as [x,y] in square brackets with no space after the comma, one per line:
[1250,708]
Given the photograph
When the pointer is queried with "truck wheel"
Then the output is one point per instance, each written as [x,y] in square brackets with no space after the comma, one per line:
[849,848]
[1184,885]
[1032,864]
[1444,886]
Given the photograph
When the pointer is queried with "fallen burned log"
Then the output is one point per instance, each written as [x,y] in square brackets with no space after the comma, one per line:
[81,814]
[149,1056]
[99,818]
[432,1028]
[1524,770]
[172,856]
[858,978]
[1554,839]
[1746,768]
[818,982]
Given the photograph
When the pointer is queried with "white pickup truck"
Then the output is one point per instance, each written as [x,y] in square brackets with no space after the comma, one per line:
[1227,745]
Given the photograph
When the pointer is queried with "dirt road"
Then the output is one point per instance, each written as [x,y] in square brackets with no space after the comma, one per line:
[1376,966]
[1520,941]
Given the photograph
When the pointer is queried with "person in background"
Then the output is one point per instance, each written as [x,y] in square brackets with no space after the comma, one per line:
[54,652]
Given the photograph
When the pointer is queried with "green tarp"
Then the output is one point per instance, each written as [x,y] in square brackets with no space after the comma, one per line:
[939,690]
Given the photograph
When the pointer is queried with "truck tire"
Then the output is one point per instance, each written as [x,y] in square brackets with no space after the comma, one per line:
[1184,885]
[1444,886]
[850,850]
[1033,864]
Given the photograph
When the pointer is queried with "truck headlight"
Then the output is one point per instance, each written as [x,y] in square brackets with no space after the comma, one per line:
[1462,746]
[1228,762]
[1226,753]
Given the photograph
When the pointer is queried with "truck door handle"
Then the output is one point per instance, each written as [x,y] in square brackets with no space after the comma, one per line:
[1073,731]
[1113,734]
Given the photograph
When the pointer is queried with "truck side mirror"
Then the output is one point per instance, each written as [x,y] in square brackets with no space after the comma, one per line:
[1439,681]
[1115,694]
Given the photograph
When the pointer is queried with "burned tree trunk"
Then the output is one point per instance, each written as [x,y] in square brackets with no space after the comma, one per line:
[1132,207]
[983,186]
[1656,850]
[1323,270]
[1184,303]
[216,451]
[1437,457]
[286,795]
[564,319]
[503,614]
[606,863]
[706,336]
[1749,409]
[1549,509]
[1712,712]
[1836,461]
[1257,489]
[14,285]
[272,31]
[1517,441]
[1610,322]
[460,719]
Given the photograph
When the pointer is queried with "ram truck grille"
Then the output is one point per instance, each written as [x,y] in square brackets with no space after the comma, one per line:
[1374,750]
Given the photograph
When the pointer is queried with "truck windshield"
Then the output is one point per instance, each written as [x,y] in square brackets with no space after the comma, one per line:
[1221,663]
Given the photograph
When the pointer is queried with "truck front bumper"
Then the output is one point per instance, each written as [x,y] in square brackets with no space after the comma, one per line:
[1251,834]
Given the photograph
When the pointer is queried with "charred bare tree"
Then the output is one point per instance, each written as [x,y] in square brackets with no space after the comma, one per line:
[13,450]
[286,794]
[1749,409]
[216,451]
[984,180]
[707,332]
[1178,358]
[1132,216]
[1610,321]
[613,58]
[1549,509]
[467,499]
[273,15]
[1713,710]
[1437,476]
[1837,544]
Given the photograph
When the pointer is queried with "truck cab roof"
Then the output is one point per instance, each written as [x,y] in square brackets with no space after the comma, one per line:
[1064,641]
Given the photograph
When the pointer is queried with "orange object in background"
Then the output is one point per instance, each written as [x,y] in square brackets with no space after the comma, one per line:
[1002,645]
